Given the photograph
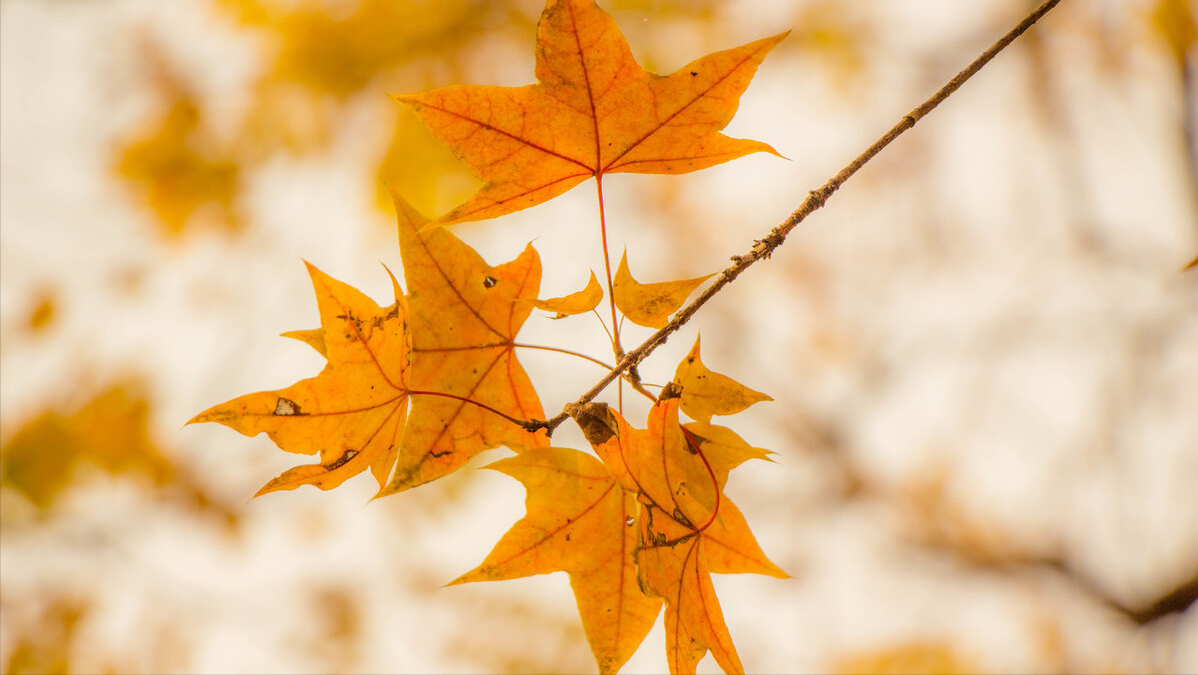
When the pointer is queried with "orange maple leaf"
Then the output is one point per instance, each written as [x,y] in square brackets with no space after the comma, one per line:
[579,521]
[686,527]
[593,111]
[352,413]
[464,316]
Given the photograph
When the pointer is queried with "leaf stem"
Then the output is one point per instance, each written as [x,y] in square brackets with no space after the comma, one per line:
[484,406]
[715,509]
[816,199]
[610,339]
[617,348]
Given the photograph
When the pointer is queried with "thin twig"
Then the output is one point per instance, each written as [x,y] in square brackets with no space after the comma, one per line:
[762,248]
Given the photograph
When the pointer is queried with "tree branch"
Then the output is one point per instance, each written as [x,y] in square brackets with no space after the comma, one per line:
[762,248]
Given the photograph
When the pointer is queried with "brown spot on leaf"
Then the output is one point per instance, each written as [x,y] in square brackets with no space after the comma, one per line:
[349,454]
[595,420]
[287,407]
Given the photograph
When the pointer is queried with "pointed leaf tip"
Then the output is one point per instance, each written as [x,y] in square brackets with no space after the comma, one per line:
[313,337]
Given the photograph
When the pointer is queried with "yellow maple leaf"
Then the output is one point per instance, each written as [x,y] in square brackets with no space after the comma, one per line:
[464,316]
[686,527]
[593,111]
[353,412]
[578,521]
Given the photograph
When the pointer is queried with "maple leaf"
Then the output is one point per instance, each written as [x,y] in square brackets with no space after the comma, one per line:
[650,305]
[575,303]
[593,111]
[672,564]
[464,315]
[352,413]
[578,521]
[706,393]
[686,528]
[723,449]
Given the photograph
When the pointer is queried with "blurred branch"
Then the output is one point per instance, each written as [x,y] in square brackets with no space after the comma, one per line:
[1175,601]
[1174,23]
[1189,111]
[1065,145]
[939,526]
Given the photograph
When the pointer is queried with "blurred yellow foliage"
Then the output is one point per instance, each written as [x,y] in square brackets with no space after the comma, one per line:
[826,30]
[44,310]
[323,55]
[337,627]
[422,169]
[337,48]
[936,518]
[930,658]
[175,163]
[1174,21]
[326,53]
[44,646]
[109,432]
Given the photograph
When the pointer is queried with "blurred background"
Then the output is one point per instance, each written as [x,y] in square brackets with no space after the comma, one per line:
[983,352]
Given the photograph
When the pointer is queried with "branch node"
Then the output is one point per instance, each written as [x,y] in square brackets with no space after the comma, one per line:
[764,247]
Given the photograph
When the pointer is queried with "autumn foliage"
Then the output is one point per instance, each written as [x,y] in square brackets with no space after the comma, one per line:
[412,390]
